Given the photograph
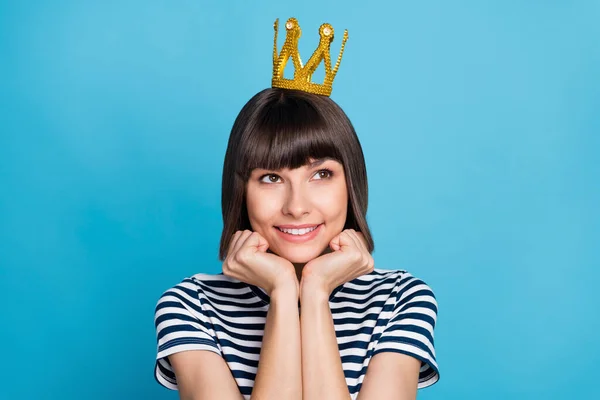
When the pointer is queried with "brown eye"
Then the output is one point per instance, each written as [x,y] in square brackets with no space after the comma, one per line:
[324,174]
[271,178]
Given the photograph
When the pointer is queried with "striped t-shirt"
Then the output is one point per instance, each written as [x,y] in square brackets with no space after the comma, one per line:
[385,310]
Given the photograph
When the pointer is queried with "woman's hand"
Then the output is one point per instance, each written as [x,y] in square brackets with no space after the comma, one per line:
[349,259]
[248,261]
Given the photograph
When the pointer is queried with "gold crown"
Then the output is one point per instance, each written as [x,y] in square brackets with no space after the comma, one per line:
[303,74]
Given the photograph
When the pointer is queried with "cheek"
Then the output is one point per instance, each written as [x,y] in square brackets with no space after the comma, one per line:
[260,206]
[252,204]
[336,206]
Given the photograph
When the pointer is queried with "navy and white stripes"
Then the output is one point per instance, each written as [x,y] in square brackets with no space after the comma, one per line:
[386,310]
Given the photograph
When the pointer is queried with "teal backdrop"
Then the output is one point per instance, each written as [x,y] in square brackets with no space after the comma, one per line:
[480,124]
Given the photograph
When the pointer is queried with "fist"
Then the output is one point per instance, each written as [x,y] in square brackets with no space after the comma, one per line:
[248,261]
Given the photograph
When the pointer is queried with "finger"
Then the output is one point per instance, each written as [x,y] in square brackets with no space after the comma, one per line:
[261,244]
[361,238]
[358,238]
[256,240]
[355,240]
[242,240]
[233,243]
[335,243]
[346,239]
[363,241]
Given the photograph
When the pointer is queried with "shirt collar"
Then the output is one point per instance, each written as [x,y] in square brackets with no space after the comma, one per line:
[264,297]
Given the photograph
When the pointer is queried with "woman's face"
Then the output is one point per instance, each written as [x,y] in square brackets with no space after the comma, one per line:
[312,200]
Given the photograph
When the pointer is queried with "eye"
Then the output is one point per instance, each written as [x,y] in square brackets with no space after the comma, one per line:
[271,178]
[274,178]
[324,174]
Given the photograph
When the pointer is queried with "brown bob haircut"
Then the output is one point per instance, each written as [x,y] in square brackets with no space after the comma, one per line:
[282,128]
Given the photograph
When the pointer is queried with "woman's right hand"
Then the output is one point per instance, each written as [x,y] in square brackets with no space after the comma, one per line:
[248,261]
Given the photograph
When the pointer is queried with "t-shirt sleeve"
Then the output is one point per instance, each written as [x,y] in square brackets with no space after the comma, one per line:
[410,327]
[181,324]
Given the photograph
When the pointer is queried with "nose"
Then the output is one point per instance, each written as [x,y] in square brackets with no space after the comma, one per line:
[295,204]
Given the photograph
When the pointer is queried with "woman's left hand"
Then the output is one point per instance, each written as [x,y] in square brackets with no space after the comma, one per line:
[348,260]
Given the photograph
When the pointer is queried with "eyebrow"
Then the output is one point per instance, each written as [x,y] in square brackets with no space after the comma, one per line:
[319,162]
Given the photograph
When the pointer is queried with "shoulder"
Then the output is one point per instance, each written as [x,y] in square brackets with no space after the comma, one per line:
[201,281]
[195,290]
[402,278]
[188,298]
[404,285]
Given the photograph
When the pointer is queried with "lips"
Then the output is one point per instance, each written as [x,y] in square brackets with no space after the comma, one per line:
[299,238]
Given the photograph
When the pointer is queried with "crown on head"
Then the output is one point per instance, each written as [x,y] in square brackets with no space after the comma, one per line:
[303,73]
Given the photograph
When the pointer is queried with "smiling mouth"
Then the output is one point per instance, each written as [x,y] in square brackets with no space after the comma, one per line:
[298,232]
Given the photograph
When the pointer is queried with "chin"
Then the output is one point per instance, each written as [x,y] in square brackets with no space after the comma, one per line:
[300,255]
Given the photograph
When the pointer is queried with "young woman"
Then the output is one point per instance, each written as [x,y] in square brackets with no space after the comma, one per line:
[299,311]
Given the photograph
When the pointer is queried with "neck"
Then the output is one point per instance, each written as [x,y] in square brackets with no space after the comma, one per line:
[299,267]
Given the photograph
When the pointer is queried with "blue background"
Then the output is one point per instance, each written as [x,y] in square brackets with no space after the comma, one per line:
[481,131]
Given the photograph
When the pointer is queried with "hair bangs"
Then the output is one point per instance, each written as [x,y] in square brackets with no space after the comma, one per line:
[287,135]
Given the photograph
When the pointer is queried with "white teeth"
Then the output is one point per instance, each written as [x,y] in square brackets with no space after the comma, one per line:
[298,232]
